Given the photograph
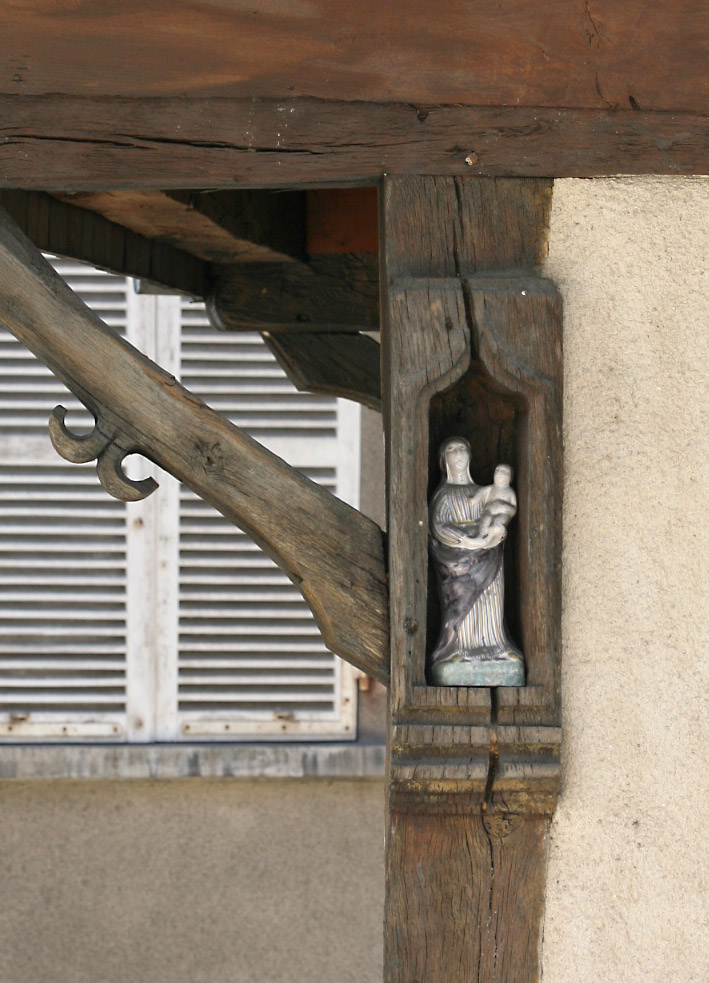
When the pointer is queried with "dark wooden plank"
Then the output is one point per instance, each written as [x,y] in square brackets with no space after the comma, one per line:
[339,292]
[329,550]
[556,54]
[466,898]
[344,365]
[217,226]
[57,227]
[84,144]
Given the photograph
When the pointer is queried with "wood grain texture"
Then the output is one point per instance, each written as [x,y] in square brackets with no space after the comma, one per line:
[57,227]
[471,336]
[88,143]
[560,54]
[338,292]
[217,226]
[346,365]
[426,349]
[465,898]
[329,550]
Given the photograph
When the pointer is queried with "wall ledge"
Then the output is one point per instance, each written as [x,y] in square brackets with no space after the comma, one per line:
[363,761]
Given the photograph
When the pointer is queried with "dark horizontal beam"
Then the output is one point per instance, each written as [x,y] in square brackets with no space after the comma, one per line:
[84,143]
[56,227]
[520,53]
[338,292]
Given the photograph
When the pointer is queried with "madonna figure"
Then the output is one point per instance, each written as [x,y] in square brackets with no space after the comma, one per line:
[468,525]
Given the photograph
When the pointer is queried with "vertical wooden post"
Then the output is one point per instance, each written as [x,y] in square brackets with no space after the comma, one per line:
[471,346]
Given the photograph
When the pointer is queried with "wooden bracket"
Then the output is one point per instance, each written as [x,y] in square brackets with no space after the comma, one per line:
[472,347]
[346,365]
[329,550]
[338,292]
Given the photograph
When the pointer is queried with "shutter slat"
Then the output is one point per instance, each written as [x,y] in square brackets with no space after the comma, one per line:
[62,554]
[251,658]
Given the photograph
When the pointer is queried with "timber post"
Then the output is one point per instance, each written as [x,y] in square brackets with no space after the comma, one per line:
[471,340]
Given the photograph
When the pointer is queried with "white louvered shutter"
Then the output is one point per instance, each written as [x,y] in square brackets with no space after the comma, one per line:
[62,554]
[159,621]
[251,661]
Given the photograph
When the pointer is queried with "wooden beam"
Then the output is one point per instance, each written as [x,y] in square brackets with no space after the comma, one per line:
[473,772]
[329,550]
[581,55]
[217,226]
[344,365]
[57,227]
[88,143]
[339,292]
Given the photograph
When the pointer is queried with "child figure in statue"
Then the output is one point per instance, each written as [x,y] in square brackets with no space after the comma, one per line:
[501,504]
[468,525]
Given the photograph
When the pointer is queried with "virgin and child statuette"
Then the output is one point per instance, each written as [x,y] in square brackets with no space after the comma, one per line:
[468,526]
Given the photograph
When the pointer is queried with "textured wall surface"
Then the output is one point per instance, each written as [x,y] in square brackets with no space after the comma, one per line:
[191,881]
[628,882]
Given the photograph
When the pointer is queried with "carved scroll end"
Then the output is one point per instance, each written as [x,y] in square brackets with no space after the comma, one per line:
[77,448]
[96,445]
[115,481]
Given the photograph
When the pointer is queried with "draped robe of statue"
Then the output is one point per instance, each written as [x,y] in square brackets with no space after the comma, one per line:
[473,648]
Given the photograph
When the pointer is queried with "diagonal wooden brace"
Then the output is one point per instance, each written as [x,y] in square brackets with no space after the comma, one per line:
[329,550]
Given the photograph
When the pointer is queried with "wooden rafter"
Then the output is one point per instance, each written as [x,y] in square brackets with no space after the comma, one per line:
[218,226]
[57,227]
[330,551]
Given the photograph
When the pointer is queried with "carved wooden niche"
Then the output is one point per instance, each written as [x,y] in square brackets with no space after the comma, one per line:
[508,406]
[472,348]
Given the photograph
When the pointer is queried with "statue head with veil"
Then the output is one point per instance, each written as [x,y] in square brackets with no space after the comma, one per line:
[467,527]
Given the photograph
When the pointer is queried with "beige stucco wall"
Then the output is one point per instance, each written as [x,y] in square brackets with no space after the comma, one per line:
[191,881]
[628,879]
[278,881]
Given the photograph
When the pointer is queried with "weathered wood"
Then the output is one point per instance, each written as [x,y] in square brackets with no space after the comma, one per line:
[571,54]
[88,143]
[465,897]
[330,551]
[329,293]
[57,227]
[471,341]
[345,365]
[218,226]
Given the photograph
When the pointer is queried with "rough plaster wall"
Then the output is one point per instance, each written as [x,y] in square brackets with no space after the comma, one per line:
[628,882]
[191,881]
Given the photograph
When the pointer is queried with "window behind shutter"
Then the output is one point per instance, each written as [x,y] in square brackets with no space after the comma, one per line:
[62,554]
[159,621]
[251,661]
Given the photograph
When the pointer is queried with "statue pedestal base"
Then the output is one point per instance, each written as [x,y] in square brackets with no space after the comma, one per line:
[498,669]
